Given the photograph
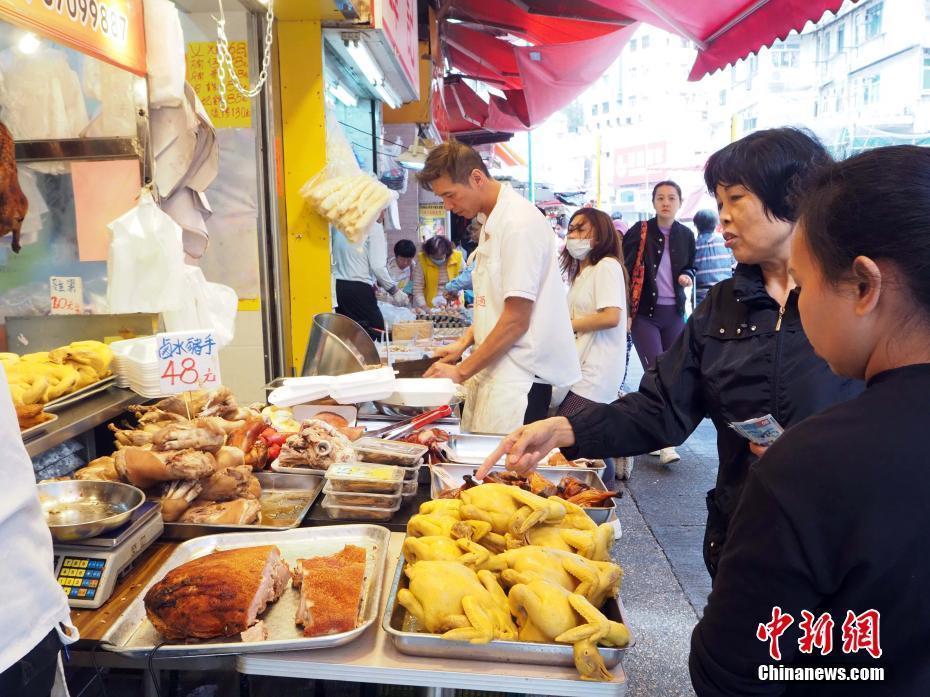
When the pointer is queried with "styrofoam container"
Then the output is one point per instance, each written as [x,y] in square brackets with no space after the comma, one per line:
[421,392]
[363,378]
[289,395]
[369,393]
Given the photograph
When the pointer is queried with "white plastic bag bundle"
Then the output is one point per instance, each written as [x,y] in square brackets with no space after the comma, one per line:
[207,306]
[341,192]
[145,268]
[164,53]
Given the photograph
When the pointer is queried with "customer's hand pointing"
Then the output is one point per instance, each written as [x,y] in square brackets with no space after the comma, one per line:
[526,446]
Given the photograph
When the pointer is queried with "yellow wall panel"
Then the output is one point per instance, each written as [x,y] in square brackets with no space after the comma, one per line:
[300,51]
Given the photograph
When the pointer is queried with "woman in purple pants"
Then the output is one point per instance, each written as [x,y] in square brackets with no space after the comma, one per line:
[659,255]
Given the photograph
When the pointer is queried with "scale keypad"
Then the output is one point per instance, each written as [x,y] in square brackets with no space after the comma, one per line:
[79,577]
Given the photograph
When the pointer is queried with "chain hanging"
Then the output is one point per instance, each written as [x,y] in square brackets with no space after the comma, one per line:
[224,61]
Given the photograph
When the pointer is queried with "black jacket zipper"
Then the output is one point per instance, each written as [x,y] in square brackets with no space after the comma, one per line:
[777,362]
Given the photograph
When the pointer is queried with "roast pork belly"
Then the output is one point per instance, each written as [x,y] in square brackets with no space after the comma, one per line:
[330,591]
[219,595]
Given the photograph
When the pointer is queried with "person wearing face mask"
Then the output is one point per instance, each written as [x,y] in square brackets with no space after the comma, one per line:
[521,331]
[743,353]
[438,264]
[597,302]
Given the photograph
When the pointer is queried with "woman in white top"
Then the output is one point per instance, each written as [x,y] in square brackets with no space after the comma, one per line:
[598,305]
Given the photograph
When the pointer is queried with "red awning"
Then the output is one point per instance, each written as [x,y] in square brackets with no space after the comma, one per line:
[725,30]
[535,28]
[467,111]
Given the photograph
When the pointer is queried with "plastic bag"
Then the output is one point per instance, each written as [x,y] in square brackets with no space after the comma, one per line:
[207,306]
[145,268]
[392,314]
[164,53]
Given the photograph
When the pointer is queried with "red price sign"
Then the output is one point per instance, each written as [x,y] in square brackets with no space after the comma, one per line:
[188,361]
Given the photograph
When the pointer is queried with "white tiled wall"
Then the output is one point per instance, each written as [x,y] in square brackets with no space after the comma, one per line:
[242,363]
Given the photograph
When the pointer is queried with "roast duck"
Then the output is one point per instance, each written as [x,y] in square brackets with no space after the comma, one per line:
[223,594]
[13,202]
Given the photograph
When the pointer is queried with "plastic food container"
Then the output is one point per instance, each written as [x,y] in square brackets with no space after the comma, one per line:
[410,488]
[351,498]
[361,477]
[338,510]
[389,452]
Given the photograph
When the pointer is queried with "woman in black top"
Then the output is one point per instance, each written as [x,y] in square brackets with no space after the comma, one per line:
[834,518]
[743,353]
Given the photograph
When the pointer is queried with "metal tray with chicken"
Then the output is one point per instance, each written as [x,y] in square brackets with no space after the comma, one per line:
[584,489]
[502,574]
[203,457]
[253,592]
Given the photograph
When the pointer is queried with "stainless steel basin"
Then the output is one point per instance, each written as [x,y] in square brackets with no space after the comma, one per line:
[78,509]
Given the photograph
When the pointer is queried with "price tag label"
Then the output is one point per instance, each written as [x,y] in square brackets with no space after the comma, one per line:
[188,361]
[66,295]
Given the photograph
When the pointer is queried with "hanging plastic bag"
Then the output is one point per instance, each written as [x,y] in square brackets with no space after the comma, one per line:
[208,306]
[164,53]
[145,267]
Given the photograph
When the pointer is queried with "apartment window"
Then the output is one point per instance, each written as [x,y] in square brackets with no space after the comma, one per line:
[645,42]
[633,44]
[870,86]
[605,107]
[749,123]
[927,68]
[840,38]
[722,98]
[594,110]
[873,20]
[839,101]
[685,43]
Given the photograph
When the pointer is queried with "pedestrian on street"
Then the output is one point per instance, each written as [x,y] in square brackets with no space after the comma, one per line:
[833,516]
[713,260]
[659,256]
[743,354]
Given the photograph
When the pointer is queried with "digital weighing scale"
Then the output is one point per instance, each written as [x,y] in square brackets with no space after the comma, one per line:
[87,570]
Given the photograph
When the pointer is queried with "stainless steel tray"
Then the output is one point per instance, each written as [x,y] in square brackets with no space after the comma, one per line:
[396,618]
[285,501]
[92,389]
[33,431]
[472,449]
[133,635]
[598,514]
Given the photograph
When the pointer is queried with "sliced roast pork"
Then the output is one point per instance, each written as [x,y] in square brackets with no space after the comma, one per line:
[219,595]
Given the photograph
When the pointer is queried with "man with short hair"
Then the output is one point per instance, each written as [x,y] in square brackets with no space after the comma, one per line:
[522,332]
[401,266]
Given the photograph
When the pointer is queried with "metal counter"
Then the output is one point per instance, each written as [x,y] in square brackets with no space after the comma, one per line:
[82,417]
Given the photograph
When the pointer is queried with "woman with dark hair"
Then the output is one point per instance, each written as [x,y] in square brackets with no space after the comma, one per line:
[743,354]
[832,517]
[659,256]
[597,301]
[438,264]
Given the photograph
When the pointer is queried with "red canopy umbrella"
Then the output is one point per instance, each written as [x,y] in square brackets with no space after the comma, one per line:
[725,30]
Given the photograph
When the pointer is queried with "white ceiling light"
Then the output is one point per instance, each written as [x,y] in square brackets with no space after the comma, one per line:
[387,95]
[29,43]
[342,94]
[414,157]
[362,57]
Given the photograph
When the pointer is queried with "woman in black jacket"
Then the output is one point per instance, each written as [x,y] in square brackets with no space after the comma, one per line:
[743,353]
[833,518]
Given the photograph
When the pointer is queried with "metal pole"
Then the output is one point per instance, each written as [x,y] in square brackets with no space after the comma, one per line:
[529,165]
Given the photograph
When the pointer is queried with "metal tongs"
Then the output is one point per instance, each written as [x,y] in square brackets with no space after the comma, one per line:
[403,428]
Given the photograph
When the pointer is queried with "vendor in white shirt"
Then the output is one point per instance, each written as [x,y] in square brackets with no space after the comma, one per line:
[522,333]
[34,614]
[355,266]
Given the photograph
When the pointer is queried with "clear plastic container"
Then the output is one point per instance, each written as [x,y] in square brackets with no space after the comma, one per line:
[338,510]
[361,477]
[353,498]
[389,452]
[410,488]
